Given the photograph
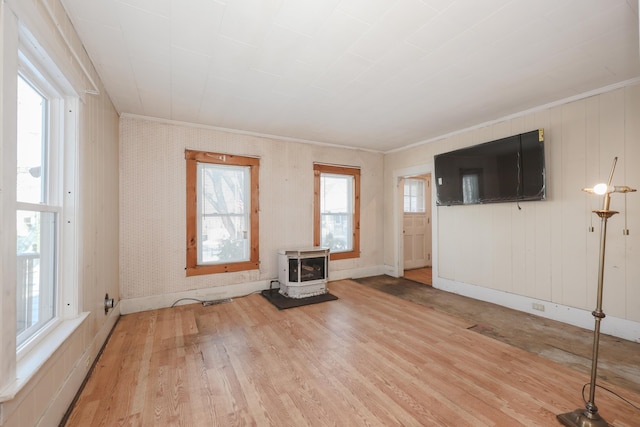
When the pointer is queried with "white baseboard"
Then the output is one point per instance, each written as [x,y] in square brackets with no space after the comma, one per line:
[356,273]
[617,327]
[135,305]
[390,270]
[622,328]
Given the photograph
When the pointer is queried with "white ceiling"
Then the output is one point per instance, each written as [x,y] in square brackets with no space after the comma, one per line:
[374,74]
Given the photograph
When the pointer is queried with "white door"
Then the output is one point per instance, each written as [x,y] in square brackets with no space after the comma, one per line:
[417,222]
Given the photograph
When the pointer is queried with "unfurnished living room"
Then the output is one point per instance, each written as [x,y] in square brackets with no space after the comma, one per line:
[320,212]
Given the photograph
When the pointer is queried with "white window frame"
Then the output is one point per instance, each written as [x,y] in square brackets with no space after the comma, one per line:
[244,216]
[39,71]
[414,194]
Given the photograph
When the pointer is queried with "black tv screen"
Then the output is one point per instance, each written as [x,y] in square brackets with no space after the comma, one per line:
[505,170]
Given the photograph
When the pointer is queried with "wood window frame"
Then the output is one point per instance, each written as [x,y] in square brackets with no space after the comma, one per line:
[193,157]
[319,169]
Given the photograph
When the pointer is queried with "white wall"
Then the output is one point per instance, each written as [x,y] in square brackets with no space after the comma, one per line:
[544,252]
[39,390]
[153,210]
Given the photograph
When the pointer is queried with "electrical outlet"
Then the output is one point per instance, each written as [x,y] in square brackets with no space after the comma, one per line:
[538,306]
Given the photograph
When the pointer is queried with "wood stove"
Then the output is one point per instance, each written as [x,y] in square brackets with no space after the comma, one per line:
[303,272]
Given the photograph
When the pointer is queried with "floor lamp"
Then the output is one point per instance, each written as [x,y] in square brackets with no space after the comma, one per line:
[589,417]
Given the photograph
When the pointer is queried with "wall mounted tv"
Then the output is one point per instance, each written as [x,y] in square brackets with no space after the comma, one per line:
[505,170]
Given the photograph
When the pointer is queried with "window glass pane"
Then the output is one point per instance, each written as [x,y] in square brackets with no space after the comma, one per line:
[336,212]
[36,245]
[35,290]
[32,108]
[224,206]
[414,195]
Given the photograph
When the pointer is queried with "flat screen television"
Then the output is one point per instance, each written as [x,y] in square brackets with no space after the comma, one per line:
[505,170]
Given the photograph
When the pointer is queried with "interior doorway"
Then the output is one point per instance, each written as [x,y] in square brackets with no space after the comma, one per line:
[421,275]
[416,227]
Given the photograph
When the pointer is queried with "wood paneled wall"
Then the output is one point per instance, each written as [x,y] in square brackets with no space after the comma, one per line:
[544,250]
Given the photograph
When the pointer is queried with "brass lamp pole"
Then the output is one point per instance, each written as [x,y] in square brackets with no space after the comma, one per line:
[589,417]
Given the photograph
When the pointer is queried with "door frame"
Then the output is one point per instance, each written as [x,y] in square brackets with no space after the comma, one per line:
[398,213]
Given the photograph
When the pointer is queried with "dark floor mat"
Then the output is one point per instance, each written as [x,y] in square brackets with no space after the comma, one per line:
[282,302]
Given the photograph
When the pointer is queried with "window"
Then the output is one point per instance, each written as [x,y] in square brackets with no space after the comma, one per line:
[222,213]
[37,214]
[46,281]
[337,210]
[413,195]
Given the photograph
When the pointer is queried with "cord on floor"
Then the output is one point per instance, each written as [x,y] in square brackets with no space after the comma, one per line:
[628,402]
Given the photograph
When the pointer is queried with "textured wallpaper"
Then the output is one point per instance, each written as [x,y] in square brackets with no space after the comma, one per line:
[152,202]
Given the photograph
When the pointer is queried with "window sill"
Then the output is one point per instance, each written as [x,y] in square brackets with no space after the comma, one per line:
[30,364]
[335,256]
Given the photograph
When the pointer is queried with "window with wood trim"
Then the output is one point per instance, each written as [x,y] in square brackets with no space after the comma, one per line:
[337,210]
[222,212]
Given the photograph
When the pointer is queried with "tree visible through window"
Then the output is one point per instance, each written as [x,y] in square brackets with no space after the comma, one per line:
[222,212]
[337,210]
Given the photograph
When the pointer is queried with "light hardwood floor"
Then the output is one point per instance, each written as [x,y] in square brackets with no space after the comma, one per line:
[366,359]
[420,275]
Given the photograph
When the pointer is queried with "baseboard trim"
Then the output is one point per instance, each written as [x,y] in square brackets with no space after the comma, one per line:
[622,328]
[615,326]
[135,305]
[355,273]
[154,302]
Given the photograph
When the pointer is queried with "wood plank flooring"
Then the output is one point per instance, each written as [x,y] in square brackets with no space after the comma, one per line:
[366,359]
[420,275]
[619,360]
